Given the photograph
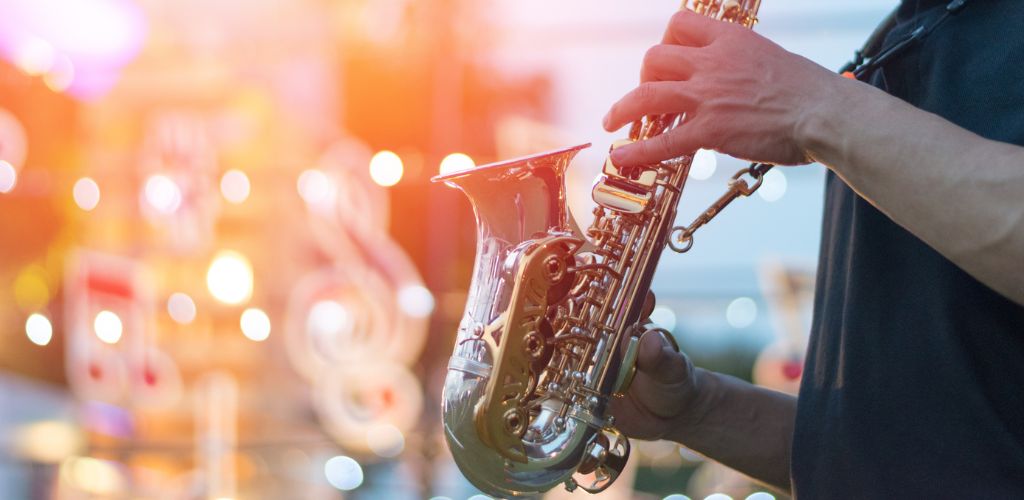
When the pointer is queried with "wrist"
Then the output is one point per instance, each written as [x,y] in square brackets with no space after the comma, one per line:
[818,131]
[697,404]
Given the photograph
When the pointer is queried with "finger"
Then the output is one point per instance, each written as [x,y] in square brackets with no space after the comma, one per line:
[693,30]
[651,98]
[681,140]
[668,62]
[658,359]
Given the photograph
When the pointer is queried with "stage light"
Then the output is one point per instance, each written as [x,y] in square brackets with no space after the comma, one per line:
[416,301]
[86,194]
[385,440]
[255,325]
[741,312]
[108,327]
[163,194]
[773,187]
[704,164]
[456,162]
[8,177]
[386,168]
[182,308]
[664,317]
[343,473]
[38,329]
[235,187]
[230,277]
[315,187]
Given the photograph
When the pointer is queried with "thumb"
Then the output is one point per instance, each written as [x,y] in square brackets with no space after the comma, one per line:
[659,360]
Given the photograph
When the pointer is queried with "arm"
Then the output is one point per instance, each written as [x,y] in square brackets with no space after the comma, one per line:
[747,97]
[960,193]
[743,426]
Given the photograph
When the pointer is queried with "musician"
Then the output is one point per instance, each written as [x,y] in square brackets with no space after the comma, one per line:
[914,380]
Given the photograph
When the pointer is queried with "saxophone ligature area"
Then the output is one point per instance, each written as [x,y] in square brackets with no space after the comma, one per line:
[553,316]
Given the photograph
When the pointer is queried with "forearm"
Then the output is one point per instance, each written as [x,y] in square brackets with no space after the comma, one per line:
[960,193]
[743,426]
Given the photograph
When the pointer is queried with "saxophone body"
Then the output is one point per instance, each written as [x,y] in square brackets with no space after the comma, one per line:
[553,317]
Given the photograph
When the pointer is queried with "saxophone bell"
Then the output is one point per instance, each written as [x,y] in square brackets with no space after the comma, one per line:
[525,234]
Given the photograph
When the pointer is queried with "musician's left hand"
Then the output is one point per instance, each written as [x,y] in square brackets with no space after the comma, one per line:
[742,94]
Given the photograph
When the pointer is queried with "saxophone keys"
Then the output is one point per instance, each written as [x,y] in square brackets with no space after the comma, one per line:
[603,461]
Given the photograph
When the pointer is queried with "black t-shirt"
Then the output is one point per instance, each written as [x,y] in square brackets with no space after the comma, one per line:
[914,381]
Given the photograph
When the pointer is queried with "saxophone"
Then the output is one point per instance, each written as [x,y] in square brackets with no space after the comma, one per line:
[553,318]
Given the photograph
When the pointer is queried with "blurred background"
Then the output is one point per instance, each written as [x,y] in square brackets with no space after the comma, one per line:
[225,274]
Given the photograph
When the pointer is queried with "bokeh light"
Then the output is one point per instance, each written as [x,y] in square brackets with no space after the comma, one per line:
[456,162]
[46,441]
[95,476]
[34,55]
[741,312]
[761,495]
[416,301]
[181,308]
[704,165]
[229,278]
[385,440]
[8,177]
[255,324]
[108,327]
[664,317]
[315,187]
[86,194]
[61,75]
[38,329]
[343,473]
[235,187]
[163,194]
[329,320]
[386,168]
[676,496]
[718,496]
[774,185]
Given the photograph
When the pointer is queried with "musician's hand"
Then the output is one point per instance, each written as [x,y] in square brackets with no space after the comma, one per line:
[742,94]
[662,394]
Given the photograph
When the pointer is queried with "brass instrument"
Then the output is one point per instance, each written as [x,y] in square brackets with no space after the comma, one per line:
[553,319]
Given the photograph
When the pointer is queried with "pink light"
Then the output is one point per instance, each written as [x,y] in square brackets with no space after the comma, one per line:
[97,37]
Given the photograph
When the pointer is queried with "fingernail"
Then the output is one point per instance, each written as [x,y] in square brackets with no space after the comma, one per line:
[665,342]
